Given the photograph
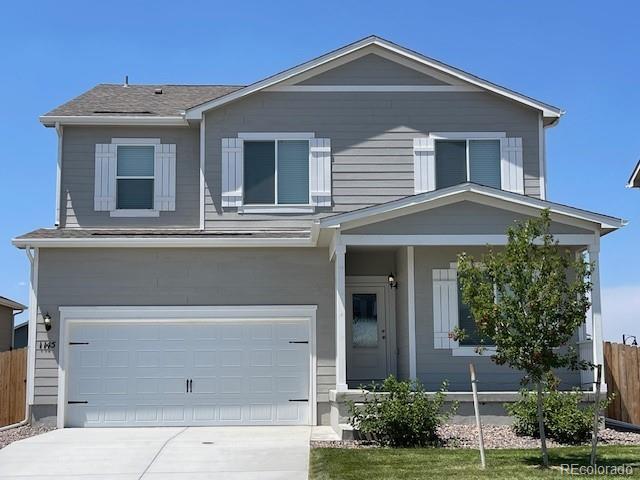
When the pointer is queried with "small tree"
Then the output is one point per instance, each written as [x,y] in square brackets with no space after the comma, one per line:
[529,299]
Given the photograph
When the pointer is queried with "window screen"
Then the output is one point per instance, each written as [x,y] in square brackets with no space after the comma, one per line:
[293,171]
[484,162]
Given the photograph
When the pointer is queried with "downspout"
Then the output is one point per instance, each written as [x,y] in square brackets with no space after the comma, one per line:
[31,345]
[59,131]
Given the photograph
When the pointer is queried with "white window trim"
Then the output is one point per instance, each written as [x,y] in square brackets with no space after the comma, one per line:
[469,350]
[186,314]
[134,213]
[277,207]
[124,213]
[467,137]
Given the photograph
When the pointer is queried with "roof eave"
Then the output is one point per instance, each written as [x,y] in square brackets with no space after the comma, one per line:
[128,242]
[90,120]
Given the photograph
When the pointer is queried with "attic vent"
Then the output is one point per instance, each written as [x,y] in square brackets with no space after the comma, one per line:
[158,91]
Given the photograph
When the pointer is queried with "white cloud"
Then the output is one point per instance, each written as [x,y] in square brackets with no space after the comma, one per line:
[22,284]
[621,312]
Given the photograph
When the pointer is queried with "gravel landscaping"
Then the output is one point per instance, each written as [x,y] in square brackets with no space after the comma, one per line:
[15,434]
[495,436]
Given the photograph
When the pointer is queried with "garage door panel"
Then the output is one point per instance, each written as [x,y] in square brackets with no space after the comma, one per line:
[243,373]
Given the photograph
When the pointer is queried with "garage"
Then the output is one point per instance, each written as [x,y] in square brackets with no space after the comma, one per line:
[191,371]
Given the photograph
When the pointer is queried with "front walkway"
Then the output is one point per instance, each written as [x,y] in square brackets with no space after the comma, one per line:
[160,453]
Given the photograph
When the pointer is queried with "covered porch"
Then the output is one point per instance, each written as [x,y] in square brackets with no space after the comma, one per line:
[396,293]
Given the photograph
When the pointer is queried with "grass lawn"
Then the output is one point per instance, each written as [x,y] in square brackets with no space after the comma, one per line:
[439,463]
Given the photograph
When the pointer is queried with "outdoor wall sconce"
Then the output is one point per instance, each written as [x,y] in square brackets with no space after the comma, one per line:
[392,281]
[47,321]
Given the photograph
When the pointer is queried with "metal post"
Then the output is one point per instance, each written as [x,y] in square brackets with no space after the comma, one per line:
[476,407]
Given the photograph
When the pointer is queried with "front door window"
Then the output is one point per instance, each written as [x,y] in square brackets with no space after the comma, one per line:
[365,320]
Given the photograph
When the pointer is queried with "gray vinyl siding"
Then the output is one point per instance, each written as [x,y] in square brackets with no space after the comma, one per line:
[78,176]
[372,70]
[435,365]
[77,277]
[464,218]
[371,140]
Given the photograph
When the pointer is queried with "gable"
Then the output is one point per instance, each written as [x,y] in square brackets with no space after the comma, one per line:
[372,69]
[461,218]
[455,79]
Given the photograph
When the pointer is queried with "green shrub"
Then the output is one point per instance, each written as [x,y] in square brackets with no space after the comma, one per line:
[565,419]
[400,414]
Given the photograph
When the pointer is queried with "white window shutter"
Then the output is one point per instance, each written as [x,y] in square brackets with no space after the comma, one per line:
[165,177]
[104,195]
[320,171]
[511,169]
[445,307]
[424,164]
[232,172]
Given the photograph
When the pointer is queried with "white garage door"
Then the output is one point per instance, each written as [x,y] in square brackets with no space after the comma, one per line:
[218,373]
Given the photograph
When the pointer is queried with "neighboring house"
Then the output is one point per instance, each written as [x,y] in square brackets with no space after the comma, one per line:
[222,254]
[21,335]
[634,179]
[8,310]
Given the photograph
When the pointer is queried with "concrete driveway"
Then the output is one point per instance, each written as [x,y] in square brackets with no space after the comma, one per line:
[266,453]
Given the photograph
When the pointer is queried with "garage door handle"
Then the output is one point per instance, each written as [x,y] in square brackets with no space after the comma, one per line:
[76,402]
[298,399]
[298,341]
[187,385]
[191,385]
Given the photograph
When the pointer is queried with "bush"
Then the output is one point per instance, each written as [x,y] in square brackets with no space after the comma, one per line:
[400,414]
[565,420]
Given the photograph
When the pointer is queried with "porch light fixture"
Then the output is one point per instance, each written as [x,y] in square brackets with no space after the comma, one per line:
[392,281]
[634,342]
[47,321]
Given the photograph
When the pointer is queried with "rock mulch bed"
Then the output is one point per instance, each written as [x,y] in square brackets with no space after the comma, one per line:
[495,436]
[15,434]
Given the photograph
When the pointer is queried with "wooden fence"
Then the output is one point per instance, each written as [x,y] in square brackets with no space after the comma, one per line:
[622,374]
[13,386]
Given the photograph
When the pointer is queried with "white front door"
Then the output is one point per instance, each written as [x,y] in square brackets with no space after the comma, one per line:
[241,372]
[367,333]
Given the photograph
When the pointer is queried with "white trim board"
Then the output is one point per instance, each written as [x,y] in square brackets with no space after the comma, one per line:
[372,88]
[186,314]
[450,240]
[373,44]
[192,242]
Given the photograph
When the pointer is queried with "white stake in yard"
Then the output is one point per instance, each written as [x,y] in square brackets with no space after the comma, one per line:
[476,407]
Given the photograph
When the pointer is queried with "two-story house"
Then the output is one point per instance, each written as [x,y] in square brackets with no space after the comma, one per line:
[250,255]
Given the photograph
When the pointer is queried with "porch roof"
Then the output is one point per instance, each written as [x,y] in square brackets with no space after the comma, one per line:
[475,193]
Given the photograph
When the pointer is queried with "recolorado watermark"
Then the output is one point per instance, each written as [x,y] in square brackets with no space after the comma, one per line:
[592,470]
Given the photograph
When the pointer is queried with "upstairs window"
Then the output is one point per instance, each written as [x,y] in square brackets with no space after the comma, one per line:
[276,172]
[460,161]
[135,177]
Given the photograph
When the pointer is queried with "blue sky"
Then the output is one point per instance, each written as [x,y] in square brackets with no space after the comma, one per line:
[582,56]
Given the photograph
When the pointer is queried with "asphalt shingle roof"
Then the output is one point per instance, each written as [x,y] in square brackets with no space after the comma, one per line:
[140,100]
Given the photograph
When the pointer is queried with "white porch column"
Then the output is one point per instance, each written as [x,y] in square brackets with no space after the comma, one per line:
[411,310]
[341,326]
[596,306]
